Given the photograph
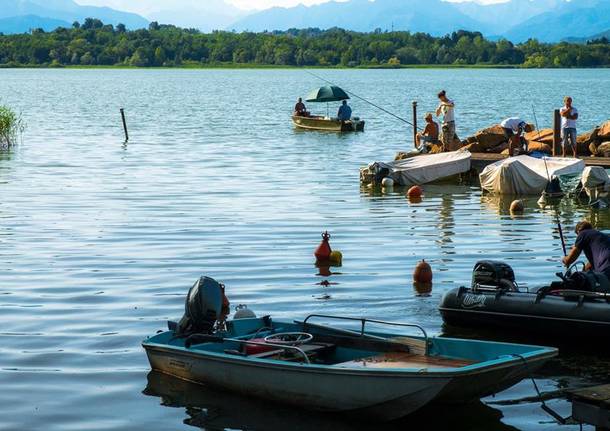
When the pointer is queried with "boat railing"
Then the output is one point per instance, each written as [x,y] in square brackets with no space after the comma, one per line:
[363,322]
[279,346]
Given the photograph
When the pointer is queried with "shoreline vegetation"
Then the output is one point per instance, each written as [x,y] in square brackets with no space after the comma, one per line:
[94,44]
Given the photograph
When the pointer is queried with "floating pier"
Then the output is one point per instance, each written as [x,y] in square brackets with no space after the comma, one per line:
[480,160]
[592,406]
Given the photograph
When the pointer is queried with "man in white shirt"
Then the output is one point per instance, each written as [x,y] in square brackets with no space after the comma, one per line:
[569,115]
[514,127]
[445,110]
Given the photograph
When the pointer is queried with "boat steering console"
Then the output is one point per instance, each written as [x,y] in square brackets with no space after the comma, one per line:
[289,338]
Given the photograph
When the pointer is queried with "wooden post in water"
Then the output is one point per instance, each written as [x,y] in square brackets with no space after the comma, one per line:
[414,122]
[556,133]
[124,124]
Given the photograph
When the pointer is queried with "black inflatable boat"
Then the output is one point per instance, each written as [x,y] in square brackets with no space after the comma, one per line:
[576,305]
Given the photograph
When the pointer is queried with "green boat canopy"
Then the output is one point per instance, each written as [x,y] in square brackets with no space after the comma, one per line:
[327,94]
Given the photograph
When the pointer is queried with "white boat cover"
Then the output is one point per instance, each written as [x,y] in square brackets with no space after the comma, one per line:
[427,167]
[525,175]
[594,176]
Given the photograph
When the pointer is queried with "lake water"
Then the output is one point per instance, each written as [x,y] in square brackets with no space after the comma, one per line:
[100,240]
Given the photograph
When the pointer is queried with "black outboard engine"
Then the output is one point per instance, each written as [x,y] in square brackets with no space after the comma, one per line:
[493,274]
[203,307]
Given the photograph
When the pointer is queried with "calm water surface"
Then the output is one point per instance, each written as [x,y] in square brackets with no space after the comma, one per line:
[100,240]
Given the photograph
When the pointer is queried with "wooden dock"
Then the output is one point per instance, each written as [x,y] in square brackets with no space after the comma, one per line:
[592,406]
[481,160]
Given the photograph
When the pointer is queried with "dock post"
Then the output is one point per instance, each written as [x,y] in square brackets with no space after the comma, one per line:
[556,133]
[414,122]
[124,124]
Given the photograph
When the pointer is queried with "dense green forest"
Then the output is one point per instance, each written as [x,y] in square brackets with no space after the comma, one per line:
[93,43]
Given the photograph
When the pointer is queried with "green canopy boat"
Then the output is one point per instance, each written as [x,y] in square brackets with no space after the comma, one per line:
[326,95]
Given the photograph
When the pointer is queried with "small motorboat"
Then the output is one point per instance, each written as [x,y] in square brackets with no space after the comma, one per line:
[383,375]
[422,169]
[326,95]
[317,122]
[578,305]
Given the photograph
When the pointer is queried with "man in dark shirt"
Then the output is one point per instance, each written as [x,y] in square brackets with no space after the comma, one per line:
[300,109]
[596,246]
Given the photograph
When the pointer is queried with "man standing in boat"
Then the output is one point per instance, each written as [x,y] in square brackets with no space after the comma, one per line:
[446,111]
[569,115]
[345,112]
[429,136]
[595,245]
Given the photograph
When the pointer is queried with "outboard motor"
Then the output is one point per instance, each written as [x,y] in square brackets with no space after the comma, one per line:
[205,304]
[493,274]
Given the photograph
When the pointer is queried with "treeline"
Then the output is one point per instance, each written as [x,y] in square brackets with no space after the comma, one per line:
[94,43]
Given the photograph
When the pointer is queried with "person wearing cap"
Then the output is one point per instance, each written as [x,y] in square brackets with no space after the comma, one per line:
[595,245]
[514,127]
[424,140]
[445,110]
[569,115]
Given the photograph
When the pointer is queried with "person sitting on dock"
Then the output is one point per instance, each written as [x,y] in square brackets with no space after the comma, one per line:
[569,115]
[300,109]
[514,127]
[425,139]
[345,112]
[595,245]
[445,110]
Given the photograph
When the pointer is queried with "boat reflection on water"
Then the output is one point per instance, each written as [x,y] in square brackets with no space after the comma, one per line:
[213,409]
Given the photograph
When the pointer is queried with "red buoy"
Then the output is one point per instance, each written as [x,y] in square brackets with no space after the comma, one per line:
[323,251]
[415,192]
[423,272]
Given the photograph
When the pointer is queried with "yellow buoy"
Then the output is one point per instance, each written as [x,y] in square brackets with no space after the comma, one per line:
[336,258]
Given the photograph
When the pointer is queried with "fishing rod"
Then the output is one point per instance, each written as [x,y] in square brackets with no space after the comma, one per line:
[364,100]
[548,176]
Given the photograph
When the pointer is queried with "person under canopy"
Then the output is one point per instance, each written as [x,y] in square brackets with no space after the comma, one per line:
[300,109]
[345,112]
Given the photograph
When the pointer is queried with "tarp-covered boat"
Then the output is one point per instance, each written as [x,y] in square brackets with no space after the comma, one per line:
[525,175]
[594,185]
[418,170]
[576,306]
[315,366]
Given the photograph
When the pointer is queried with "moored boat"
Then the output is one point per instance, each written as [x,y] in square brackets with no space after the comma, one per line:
[384,375]
[576,306]
[421,169]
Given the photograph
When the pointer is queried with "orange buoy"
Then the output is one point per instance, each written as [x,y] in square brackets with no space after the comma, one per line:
[417,200]
[323,251]
[422,273]
[415,192]
[422,289]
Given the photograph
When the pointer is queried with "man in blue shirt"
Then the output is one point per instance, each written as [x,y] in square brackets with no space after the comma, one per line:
[596,246]
[345,112]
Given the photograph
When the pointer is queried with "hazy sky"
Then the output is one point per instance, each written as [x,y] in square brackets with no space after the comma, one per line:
[144,6]
[140,6]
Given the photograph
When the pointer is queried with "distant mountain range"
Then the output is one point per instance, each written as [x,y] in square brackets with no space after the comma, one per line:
[18,16]
[516,20]
[430,16]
